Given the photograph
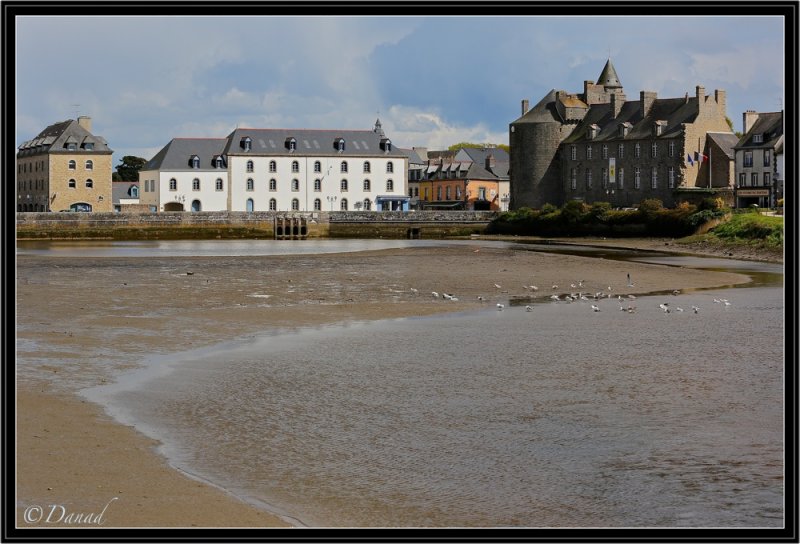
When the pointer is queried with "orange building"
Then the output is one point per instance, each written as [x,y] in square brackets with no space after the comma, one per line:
[470,179]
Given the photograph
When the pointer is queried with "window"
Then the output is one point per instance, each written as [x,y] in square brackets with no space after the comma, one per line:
[671,149]
[366,185]
[317,166]
[637,150]
[573,153]
[671,177]
[343,205]
[246,143]
[219,185]
[621,151]
[389,167]
[273,167]
[273,185]
[291,144]
[72,146]
[439,192]
[317,185]
[654,150]
[447,193]
[654,178]
[604,178]
[458,192]
[754,179]
[767,179]
[218,163]
[295,166]
[343,185]
[273,204]
[637,178]
[249,166]
[604,151]
[295,204]
[195,161]
[389,186]
[250,184]
[173,184]
[766,157]
[588,179]
[88,146]
[134,192]
[573,181]
[588,152]
[195,184]
[366,167]
[748,159]
[317,204]
[621,177]
[295,185]
[340,145]
[249,205]
[71,184]
[743,180]
[758,138]
[90,165]
[343,167]
[89,183]
[481,193]
[71,165]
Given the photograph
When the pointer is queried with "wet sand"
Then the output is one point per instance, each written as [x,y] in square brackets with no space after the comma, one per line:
[81,322]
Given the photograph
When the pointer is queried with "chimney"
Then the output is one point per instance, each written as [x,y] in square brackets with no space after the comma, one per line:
[490,161]
[646,98]
[749,118]
[719,97]
[616,105]
[525,106]
[700,93]
[85,122]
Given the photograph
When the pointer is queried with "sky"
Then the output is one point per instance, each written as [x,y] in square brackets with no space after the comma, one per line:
[433,81]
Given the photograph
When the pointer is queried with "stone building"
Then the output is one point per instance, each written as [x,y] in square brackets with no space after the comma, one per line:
[599,146]
[759,181]
[65,167]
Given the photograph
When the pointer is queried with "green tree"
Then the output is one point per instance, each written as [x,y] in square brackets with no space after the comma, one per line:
[129,169]
[456,147]
[730,124]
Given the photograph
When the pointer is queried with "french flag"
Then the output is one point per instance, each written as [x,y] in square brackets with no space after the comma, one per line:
[699,157]
[689,158]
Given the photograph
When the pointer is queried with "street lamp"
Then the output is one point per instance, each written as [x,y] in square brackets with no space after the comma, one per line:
[331,200]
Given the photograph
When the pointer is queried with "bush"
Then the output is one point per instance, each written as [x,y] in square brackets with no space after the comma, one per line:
[572,212]
[549,208]
[599,211]
[650,207]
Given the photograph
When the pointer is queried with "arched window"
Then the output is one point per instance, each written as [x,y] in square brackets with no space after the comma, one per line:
[71,184]
[367,204]
[219,185]
[173,184]
[317,185]
[89,183]
[249,205]
[273,185]
[295,204]
[195,184]
[343,205]
[250,184]
[134,192]
[295,185]
[196,207]
[249,166]
[295,166]
[366,185]
[317,166]
[317,204]
[343,167]
[218,162]
[72,165]
[389,185]
[366,167]
[389,167]
[344,185]
[273,204]
[340,145]
[195,161]
[89,165]
[273,166]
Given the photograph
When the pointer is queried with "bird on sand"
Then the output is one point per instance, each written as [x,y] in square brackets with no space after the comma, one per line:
[528,308]
[595,308]
[500,306]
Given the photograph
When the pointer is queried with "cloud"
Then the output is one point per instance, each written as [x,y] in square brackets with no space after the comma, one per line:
[411,127]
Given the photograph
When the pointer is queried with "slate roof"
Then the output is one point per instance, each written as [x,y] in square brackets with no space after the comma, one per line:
[608,77]
[726,141]
[358,143]
[177,154]
[122,190]
[543,112]
[53,139]
[770,125]
[413,156]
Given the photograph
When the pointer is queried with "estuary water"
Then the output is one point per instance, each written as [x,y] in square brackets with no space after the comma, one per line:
[555,417]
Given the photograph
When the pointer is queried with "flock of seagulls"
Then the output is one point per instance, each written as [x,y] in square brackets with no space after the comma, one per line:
[624,301]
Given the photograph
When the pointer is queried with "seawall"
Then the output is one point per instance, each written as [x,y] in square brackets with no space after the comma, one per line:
[243,225]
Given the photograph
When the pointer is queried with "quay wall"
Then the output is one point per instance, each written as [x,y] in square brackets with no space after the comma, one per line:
[243,225]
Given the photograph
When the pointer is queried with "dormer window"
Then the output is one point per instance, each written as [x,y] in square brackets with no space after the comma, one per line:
[339,144]
[218,162]
[88,146]
[594,130]
[195,161]
[758,138]
[246,143]
[134,191]
[386,145]
[658,128]
[291,144]
[72,146]
[624,129]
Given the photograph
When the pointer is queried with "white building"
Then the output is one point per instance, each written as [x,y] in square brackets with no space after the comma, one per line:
[280,170]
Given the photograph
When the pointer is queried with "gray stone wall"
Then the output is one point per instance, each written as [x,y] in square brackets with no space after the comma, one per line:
[535,172]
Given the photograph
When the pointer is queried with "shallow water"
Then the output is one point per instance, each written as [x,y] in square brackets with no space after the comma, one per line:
[560,416]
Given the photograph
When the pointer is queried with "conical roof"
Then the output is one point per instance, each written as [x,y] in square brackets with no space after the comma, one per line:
[609,78]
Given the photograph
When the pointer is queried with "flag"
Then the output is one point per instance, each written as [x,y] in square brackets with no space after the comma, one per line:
[689,158]
[699,157]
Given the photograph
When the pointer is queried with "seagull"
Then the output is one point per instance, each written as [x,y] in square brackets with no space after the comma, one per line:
[499,287]
[632,297]
[481,298]
[664,307]
[555,286]
[676,292]
[678,309]
[554,297]
[415,291]
[528,308]
[500,306]
[595,308]
[534,288]
[726,302]
[695,309]
[631,309]
[454,299]
[435,294]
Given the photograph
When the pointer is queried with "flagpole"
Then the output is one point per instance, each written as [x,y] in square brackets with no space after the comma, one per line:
[709,167]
